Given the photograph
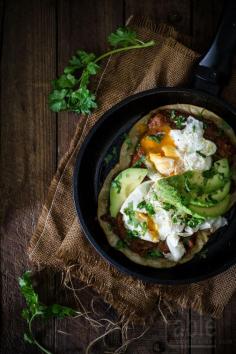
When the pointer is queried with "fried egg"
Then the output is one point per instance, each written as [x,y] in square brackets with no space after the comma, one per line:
[160,225]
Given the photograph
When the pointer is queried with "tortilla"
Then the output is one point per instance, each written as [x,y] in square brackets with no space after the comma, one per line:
[126,153]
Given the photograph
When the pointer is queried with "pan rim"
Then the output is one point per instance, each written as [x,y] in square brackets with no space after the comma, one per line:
[125,270]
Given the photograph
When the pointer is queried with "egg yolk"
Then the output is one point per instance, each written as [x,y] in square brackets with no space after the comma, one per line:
[152,146]
[152,228]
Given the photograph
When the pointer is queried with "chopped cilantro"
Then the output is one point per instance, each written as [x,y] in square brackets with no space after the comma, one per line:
[194,222]
[167,206]
[179,120]
[157,138]
[116,183]
[139,162]
[144,227]
[175,219]
[111,155]
[131,234]
[120,245]
[127,141]
[147,206]
[154,254]
[209,173]
[129,211]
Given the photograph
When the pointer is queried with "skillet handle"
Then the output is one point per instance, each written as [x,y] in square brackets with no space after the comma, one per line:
[213,70]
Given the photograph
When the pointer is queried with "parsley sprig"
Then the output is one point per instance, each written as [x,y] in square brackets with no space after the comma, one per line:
[70,91]
[35,309]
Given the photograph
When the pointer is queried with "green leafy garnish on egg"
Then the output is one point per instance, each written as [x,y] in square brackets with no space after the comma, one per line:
[178,119]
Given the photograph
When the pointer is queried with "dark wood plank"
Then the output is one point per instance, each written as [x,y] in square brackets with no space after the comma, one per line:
[205,17]
[82,25]
[172,12]
[86,25]
[28,151]
[225,330]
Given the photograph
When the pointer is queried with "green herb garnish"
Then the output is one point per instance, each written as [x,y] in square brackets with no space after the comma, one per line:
[128,142]
[131,234]
[147,206]
[35,309]
[167,206]
[111,155]
[154,254]
[209,173]
[120,245]
[139,162]
[179,120]
[70,91]
[116,183]
[157,138]
[194,222]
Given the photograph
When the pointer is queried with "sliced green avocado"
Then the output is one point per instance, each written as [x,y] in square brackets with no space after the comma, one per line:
[210,180]
[214,211]
[205,182]
[123,185]
[171,195]
[207,200]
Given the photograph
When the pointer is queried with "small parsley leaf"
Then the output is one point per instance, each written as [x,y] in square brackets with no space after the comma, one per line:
[35,309]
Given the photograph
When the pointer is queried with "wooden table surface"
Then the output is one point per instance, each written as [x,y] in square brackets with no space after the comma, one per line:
[36,40]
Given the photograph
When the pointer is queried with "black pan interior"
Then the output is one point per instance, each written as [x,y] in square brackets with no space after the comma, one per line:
[103,144]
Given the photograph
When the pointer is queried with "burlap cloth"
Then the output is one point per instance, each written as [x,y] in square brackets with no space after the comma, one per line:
[59,241]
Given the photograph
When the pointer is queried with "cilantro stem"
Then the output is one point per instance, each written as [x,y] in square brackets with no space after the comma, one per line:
[136,46]
[44,350]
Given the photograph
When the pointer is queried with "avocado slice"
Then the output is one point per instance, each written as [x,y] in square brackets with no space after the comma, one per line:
[122,185]
[207,200]
[210,180]
[204,182]
[171,195]
[213,211]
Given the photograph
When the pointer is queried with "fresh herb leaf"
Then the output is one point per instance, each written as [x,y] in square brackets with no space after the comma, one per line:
[111,155]
[120,245]
[167,206]
[157,138]
[147,206]
[209,173]
[123,37]
[194,222]
[144,227]
[128,142]
[139,162]
[35,309]
[154,254]
[179,120]
[131,234]
[70,91]
[116,184]
[129,211]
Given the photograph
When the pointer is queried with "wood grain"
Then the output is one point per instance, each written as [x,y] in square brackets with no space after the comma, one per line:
[83,25]
[28,149]
[36,40]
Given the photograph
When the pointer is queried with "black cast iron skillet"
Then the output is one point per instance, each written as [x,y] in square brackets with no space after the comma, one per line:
[90,171]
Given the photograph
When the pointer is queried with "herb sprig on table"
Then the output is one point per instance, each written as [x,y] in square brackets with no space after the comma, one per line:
[71,90]
[35,309]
